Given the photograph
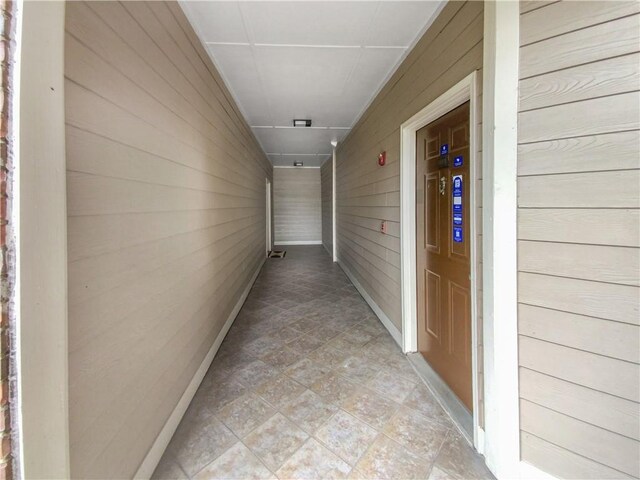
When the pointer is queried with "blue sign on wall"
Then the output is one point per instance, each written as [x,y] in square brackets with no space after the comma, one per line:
[444,149]
[457,218]
[457,234]
[458,161]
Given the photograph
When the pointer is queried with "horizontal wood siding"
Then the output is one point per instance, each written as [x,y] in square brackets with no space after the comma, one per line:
[166,222]
[368,194]
[297,205]
[579,238]
[326,174]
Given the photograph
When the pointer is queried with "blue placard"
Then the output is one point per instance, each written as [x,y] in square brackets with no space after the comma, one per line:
[457,204]
[444,149]
[457,218]
[458,161]
[457,234]
[457,186]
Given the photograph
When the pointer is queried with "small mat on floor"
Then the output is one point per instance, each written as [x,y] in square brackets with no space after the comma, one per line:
[277,253]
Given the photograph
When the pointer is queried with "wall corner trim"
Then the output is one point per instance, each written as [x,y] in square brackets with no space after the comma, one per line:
[499,245]
[41,283]
[386,321]
[151,460]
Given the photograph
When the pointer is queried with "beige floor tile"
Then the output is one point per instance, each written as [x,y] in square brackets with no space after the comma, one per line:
[326,355]
[236,463]
[313,462]
[333,387]
[199,442]
[309,411]
[391,386]
[256,373]
[324,333]
[306,371]
[275,441]
[216,396]
[358,369]
[386,459]
[287,334]
[282,358]
[305,344]
[346,358]
[280,390]
[370,407]
[346,436]
[168,469]
[458,460]
[422,400]
[245,413]
[422,436]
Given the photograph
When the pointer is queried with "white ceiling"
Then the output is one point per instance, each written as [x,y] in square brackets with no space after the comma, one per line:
[323,60]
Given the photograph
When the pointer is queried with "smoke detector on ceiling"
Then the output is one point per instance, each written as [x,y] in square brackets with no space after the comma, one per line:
[299,122]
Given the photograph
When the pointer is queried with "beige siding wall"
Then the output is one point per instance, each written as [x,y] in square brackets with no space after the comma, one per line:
[326,174]
[297,205]
[367,194]
[166,222]
[579,238]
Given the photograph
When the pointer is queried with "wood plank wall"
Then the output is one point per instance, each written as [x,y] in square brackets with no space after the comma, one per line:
[297,205]
[166,222]
[326,179]
[450,50]
[579,238]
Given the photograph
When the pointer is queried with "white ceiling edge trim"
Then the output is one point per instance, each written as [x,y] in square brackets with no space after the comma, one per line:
[402,58]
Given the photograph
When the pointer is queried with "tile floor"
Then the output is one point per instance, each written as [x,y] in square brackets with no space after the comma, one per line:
[308,384]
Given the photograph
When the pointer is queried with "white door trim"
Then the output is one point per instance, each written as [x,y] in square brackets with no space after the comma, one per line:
[463,91]
[334,253]
[268,215]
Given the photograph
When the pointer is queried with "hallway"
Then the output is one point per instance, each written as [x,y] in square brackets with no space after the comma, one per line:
[309,384]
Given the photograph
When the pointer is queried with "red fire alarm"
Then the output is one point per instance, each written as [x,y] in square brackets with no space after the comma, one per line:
[382,158]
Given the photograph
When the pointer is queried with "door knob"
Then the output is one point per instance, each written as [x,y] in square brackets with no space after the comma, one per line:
[443,185]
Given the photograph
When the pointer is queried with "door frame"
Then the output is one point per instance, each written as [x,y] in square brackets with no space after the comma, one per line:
[463,91]
[268,216]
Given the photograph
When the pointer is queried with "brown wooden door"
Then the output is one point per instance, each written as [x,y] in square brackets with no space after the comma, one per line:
[443,249]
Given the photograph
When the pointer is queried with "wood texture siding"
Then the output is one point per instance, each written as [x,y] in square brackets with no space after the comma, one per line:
[297,205]
[166,222]
[450,50]
[579,238]
[326,176]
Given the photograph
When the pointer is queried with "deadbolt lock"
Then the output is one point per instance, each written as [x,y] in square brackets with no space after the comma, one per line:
[443,185]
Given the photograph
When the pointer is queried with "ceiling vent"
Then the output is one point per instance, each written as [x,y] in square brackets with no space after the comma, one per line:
[297,122]
[298,164]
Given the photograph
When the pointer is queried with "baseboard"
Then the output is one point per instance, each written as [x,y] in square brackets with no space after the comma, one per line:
[328,251]
[393,330]
[301,242]
[154,455]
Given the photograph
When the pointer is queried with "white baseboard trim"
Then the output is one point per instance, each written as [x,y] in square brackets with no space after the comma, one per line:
[301,242]
[150,462]
[393,330]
